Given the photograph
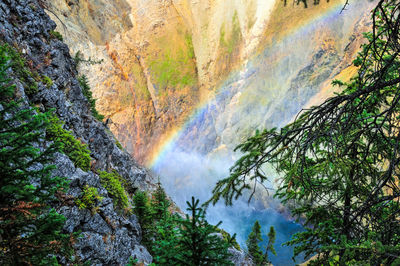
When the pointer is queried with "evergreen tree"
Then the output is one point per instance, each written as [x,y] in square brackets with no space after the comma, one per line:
[253,241]
[339,161]
[165,245]
[83,81]
[198,242]
[190,241]
[159,203]
[165,230]
[270,245]
[30,230]
[143,212]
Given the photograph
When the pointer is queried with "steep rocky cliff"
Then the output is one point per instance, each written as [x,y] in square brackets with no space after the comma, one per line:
[109,237]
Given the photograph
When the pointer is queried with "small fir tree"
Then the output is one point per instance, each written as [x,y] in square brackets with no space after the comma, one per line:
[159,203]
[165,230]
[83,81]
[270,245]
[199,243]
[164,248]
[143,213]
[253,241]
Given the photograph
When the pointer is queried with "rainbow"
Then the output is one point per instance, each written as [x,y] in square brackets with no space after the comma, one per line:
[330,13]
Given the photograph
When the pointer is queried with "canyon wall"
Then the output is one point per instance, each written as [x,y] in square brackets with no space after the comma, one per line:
[160,58]
[183,82]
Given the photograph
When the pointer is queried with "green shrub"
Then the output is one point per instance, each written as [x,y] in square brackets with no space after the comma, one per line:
[89,199]
[118,144]
[47,81]
[227,237]
[18,65]
[189,45]
[88,94]
[73,148]
[112,182]
[56,35]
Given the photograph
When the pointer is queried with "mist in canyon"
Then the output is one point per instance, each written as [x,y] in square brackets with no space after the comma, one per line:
[184,82]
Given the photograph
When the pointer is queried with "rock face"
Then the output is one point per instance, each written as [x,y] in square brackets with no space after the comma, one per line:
[109,236]
[240,258]
[161,58]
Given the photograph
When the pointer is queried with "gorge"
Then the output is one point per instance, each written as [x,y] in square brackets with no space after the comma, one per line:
[180,84]
[184,82]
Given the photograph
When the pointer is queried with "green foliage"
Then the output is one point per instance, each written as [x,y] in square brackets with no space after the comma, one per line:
[176,241]
[231,41]
[47,81]
[163,229]
[339,161]
[141,208]
[30,230]
[253,241]
[270,245]
[164,246]
[132,262]
[88,94]
[158,225]
[112,182]
[159,203]
[89,199]
[118,144]
[73,148]
[175,71]
[253,245]
[79,58]
[56,35]
[19,66]
[228,238]
[198,243]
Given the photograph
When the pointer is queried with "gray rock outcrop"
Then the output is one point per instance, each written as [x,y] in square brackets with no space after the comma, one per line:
[109,237]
